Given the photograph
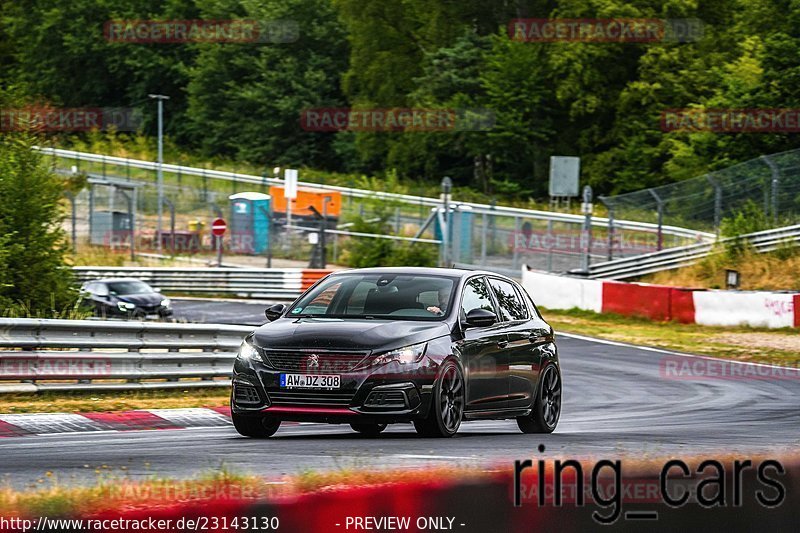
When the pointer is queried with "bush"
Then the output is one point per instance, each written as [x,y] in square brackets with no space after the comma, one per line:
[363,252]
[34,279]
[750,218]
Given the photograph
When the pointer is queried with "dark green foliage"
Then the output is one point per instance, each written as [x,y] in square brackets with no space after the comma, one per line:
[600,101]
[33,276]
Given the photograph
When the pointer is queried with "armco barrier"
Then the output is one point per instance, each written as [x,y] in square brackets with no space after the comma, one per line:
[707,307]
[268,283]
[66,355]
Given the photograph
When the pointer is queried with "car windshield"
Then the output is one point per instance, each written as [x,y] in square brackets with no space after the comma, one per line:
[129,287]
[396,296]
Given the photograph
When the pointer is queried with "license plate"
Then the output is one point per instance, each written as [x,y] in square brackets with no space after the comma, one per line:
[310,381]
[153,316]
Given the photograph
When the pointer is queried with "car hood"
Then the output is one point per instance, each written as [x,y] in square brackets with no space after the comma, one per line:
[149,298]
[346,334]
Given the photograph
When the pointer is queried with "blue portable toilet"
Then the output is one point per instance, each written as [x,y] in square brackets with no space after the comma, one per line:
[460,234]
[249,222]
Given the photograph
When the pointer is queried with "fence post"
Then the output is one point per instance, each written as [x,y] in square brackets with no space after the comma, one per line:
[717,202]
[484,224]
[130,223]
[775,182]
[587,226]
[447,186]
[660,204]
[171,224]
[515,251]
[610,231]
[73,217]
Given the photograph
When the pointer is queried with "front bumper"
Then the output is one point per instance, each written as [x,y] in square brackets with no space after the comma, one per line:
[387,394]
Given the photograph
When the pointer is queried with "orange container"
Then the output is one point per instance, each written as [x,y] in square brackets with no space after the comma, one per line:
[306,196]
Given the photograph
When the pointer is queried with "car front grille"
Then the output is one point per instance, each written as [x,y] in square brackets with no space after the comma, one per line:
[311,361]
[323,398]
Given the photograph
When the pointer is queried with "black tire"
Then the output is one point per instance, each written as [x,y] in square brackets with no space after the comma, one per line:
[447,404]
[547,406]
[256,427]
[368,430]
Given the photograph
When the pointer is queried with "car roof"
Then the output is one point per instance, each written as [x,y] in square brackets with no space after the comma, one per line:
[430,271]
[113,280]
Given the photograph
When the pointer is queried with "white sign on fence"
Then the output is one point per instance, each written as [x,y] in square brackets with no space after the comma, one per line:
[564,175]
[290,187]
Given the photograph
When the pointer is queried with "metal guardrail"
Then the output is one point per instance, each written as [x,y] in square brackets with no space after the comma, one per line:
[265,283]
[362,193]
[73,355]
[640,265]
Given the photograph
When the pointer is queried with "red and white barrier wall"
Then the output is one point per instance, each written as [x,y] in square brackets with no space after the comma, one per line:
[689,306]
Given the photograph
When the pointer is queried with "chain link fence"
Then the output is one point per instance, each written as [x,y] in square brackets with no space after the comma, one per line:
[118,210]
[770,182]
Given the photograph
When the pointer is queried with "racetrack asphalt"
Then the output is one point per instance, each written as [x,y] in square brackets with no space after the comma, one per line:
[618,403]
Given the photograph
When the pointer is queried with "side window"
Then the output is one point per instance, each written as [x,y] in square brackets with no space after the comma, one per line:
[512,307]
[476,295]
[525,297]
[319,305]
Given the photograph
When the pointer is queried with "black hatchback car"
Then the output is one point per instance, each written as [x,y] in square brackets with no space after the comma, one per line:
[125,297]
[375,346]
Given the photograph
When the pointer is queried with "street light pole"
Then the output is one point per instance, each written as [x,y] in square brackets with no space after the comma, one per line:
[160,99]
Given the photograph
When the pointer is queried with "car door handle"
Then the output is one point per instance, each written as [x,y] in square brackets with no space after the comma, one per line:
[502,344]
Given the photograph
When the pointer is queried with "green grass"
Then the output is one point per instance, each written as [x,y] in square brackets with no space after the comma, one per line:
[83,402]
[761,345]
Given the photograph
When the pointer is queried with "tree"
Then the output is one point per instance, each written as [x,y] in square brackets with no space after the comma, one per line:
[33,274]
[246,100]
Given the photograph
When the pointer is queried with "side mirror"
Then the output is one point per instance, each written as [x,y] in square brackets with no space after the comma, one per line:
[275,312]
[480,318]
[155,289]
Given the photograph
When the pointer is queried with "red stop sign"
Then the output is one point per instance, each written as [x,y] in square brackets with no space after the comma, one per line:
[218,227]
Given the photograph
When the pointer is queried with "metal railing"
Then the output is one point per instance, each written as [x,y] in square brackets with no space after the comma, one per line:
[640,265]
[265,283]
[73,355]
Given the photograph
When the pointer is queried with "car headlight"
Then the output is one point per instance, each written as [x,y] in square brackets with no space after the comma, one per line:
[248,351]
[125,306]
[165,302]
[405,355]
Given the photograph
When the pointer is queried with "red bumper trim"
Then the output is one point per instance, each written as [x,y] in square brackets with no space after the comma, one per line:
[329,411]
